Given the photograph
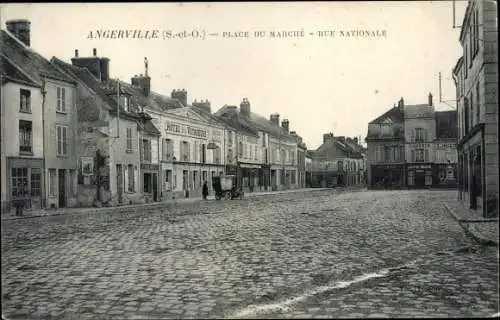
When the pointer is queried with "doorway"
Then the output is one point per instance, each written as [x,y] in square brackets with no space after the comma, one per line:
[155,187]
[119,182]
[62,188]
[420,178]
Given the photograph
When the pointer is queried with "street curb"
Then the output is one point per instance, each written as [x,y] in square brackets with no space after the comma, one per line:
[473,234]
[167,203]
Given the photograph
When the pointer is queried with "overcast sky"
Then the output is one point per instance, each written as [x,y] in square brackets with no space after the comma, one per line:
[321,85]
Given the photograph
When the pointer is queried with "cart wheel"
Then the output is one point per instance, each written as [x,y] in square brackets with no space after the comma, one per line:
[228,195]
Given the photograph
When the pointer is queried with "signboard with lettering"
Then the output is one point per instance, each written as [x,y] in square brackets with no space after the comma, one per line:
[185,129]
[149,166]
[420,166]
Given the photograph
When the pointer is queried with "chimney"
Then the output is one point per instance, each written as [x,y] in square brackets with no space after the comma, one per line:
[327,137]
[142,82]
[341,138]
[275,119]
[204,105]
[285,124]
[99,67]
[180,95]
[401,103]
[245,108]
[20,29]
[430,99]
[356,140]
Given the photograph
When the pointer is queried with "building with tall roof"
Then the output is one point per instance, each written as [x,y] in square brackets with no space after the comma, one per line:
[39,162]
[476,80]
[276,148]
[337,162]
[385,141]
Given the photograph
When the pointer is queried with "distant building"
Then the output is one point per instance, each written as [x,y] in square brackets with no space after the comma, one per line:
[337,162]
[386,149]
[476,80]
[308,163]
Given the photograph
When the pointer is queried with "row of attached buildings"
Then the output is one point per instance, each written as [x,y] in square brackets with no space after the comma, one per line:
[412,146]
[73,136]
[476,80]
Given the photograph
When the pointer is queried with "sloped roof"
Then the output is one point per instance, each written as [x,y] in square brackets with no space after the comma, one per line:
[33,64]
[88,104]
[237,122]
[257,123]
[334,148]
[12,73]
[446,124]
[395,114]
[420,110]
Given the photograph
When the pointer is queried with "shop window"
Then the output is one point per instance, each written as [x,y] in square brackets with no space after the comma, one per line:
[19,180]
[411,178]
[428,178]
[36,182]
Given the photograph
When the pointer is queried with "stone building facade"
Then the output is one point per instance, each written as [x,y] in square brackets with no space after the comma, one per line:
[476,79]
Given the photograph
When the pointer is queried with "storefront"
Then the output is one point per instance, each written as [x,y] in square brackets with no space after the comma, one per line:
[249,173]
[150,181]
[25,182]
[388,176]
[265,177]
[445,175]
[419,175]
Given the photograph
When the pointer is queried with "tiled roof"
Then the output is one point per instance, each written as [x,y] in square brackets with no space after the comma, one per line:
[33,64]
[259,123]
[84,76]
[418,110]
[335,148]
[446,124]
[395,114]
[236,121]
[10,72]
[150,128]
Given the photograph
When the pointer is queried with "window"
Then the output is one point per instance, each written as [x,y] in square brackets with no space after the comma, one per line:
[387,154]
[419,155]
[146,150]
[428,177]
[476,31]
[147,183]
[62,140]
[25,134]
[36,182]
[19,178]
[419,135]
[411,178]
[131,180]
[25,100]
[185,152]
[263,140]
[196,157]
[168,149]
[52,182]
[61,99]
[472,101]
[240,153]
[129,139]
[251,150]
[466,59]
[126,103]
[255,154]
[478,104]
[203,150]
[396,156]
[230,138]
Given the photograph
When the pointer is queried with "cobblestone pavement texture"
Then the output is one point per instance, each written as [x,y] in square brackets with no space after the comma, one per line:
[214,259]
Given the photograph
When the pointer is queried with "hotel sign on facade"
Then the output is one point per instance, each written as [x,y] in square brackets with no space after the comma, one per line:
[187,130]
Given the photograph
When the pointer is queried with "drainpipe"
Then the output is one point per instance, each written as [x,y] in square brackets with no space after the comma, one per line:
[44,189]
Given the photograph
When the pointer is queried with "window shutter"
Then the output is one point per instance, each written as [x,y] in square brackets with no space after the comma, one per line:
[63,99]
[59,138]
[58,98]
[64,140]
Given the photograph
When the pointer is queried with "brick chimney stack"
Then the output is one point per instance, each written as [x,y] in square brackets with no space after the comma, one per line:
[285,124]
[99,67]
[430,99]
[275,119]
[328,137]
[245,107]
[20,28]
[180,95]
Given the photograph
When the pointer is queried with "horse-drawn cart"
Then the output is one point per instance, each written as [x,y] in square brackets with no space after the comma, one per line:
[227,186]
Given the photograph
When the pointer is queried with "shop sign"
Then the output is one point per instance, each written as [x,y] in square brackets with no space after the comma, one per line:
[420,166]
[149,166]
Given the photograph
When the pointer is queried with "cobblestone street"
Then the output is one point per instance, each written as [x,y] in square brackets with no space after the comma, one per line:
[285,255]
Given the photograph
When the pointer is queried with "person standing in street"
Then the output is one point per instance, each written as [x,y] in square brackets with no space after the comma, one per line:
[205,190]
